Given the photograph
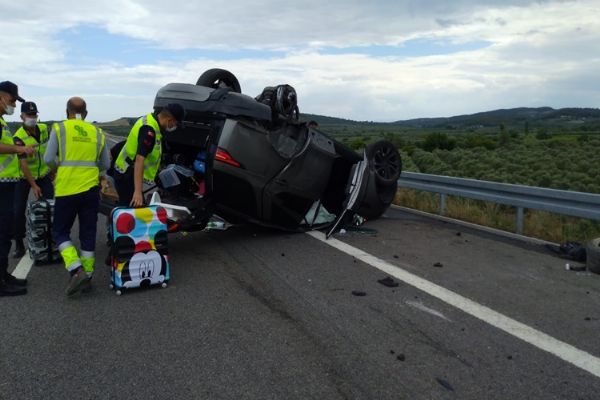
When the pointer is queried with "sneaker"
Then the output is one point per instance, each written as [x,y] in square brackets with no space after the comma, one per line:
[6,289]
[77,282]
[19,249]
[11,280]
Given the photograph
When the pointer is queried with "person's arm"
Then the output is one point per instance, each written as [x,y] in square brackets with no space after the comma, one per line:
[104,160]
[37,191]
[50,156]
[138,182]
[12,149]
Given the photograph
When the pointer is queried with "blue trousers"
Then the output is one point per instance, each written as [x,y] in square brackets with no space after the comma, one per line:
[84,206]
[22,190]
[7,197]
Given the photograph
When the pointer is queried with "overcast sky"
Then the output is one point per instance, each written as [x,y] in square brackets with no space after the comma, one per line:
[376,60]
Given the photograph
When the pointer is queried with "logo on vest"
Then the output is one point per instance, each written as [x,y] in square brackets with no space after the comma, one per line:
[82,135]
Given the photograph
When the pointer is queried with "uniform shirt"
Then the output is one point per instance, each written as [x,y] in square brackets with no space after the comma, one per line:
[19,142]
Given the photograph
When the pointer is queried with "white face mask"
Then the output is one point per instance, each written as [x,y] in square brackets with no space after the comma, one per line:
[171,129]
[30,122]
[9,110]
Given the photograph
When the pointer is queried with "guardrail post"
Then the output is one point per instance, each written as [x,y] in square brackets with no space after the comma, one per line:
[442,209]
[520,217]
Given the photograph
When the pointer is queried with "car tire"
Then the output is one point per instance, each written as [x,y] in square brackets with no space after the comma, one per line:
[593,256]
[216,77]
[385,161]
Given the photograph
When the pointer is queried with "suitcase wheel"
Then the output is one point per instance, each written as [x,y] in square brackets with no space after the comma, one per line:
[118,293]
[111,286]
[164,285]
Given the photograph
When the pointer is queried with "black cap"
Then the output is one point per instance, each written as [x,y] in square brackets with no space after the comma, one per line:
[12,89]
[176,111]
[29,107]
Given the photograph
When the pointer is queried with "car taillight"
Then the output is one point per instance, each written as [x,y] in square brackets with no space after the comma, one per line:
[224,156]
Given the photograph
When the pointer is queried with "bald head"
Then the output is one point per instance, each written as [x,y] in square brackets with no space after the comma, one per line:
[76,105]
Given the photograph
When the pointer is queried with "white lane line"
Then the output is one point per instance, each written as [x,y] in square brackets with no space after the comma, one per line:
[542,341]
[23,267]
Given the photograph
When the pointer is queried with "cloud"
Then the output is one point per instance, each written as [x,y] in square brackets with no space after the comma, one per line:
[539,53]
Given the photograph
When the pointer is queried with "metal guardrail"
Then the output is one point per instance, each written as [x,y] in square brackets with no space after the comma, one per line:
[576,204]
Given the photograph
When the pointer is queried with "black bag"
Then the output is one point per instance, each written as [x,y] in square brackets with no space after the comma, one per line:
[39,216]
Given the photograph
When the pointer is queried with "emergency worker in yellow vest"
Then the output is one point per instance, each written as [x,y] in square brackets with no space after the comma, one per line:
[77,149]
[35,174]
[9,175]
[139,159]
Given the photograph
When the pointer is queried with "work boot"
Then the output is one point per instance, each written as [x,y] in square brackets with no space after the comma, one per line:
[6,289]
[19,249]
[11,280]
[87,286]
[77,282]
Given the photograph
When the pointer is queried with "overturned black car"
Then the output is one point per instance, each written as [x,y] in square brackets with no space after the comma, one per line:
[252,160]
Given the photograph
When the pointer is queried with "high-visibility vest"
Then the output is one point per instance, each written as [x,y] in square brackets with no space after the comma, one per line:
[127,155]
[9,163]
[35,162]
[80,145]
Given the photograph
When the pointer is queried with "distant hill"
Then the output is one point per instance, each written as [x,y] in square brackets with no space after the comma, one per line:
[508,117]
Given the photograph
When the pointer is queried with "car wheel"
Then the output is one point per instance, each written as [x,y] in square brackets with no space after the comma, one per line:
[386,162]
[218,78]
[593,256]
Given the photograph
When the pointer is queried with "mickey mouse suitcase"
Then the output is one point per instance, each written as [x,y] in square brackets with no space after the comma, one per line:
[139,249]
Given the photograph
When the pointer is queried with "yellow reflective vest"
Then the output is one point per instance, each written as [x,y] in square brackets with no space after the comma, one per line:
[35,163]
[9,163]
[80,145]
[127,155]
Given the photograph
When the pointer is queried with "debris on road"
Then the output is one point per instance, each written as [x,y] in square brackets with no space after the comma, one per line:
[438,265]
[396,256]
[575,267]
[574,251]
[389,282]
[401,357]
[458,234]
[445,384]
[359,293]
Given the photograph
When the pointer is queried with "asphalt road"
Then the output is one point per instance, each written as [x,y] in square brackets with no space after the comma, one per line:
[257,314]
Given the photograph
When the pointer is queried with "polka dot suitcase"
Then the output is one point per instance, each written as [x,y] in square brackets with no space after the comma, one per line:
[139,251]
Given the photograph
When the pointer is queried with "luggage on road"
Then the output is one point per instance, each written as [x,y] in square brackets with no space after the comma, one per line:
[139,249]
[39,216]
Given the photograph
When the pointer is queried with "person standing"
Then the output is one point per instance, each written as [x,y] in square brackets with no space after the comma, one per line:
[9,175]
[77,149]
[35,174]
[139,159]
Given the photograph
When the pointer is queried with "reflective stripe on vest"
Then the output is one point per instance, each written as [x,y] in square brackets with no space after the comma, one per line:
[77,160]
[128,153]
[35,163]
[9,163]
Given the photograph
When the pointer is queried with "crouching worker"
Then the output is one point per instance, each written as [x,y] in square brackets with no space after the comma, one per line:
[35,174]
[139,159]
[77,149]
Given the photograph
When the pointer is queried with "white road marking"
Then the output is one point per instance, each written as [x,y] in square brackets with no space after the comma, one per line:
[542,341]
[423,307]
[23,267]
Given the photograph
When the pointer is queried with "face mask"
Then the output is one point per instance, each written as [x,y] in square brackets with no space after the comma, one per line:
[171,129]
[9,110]
[30,122]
